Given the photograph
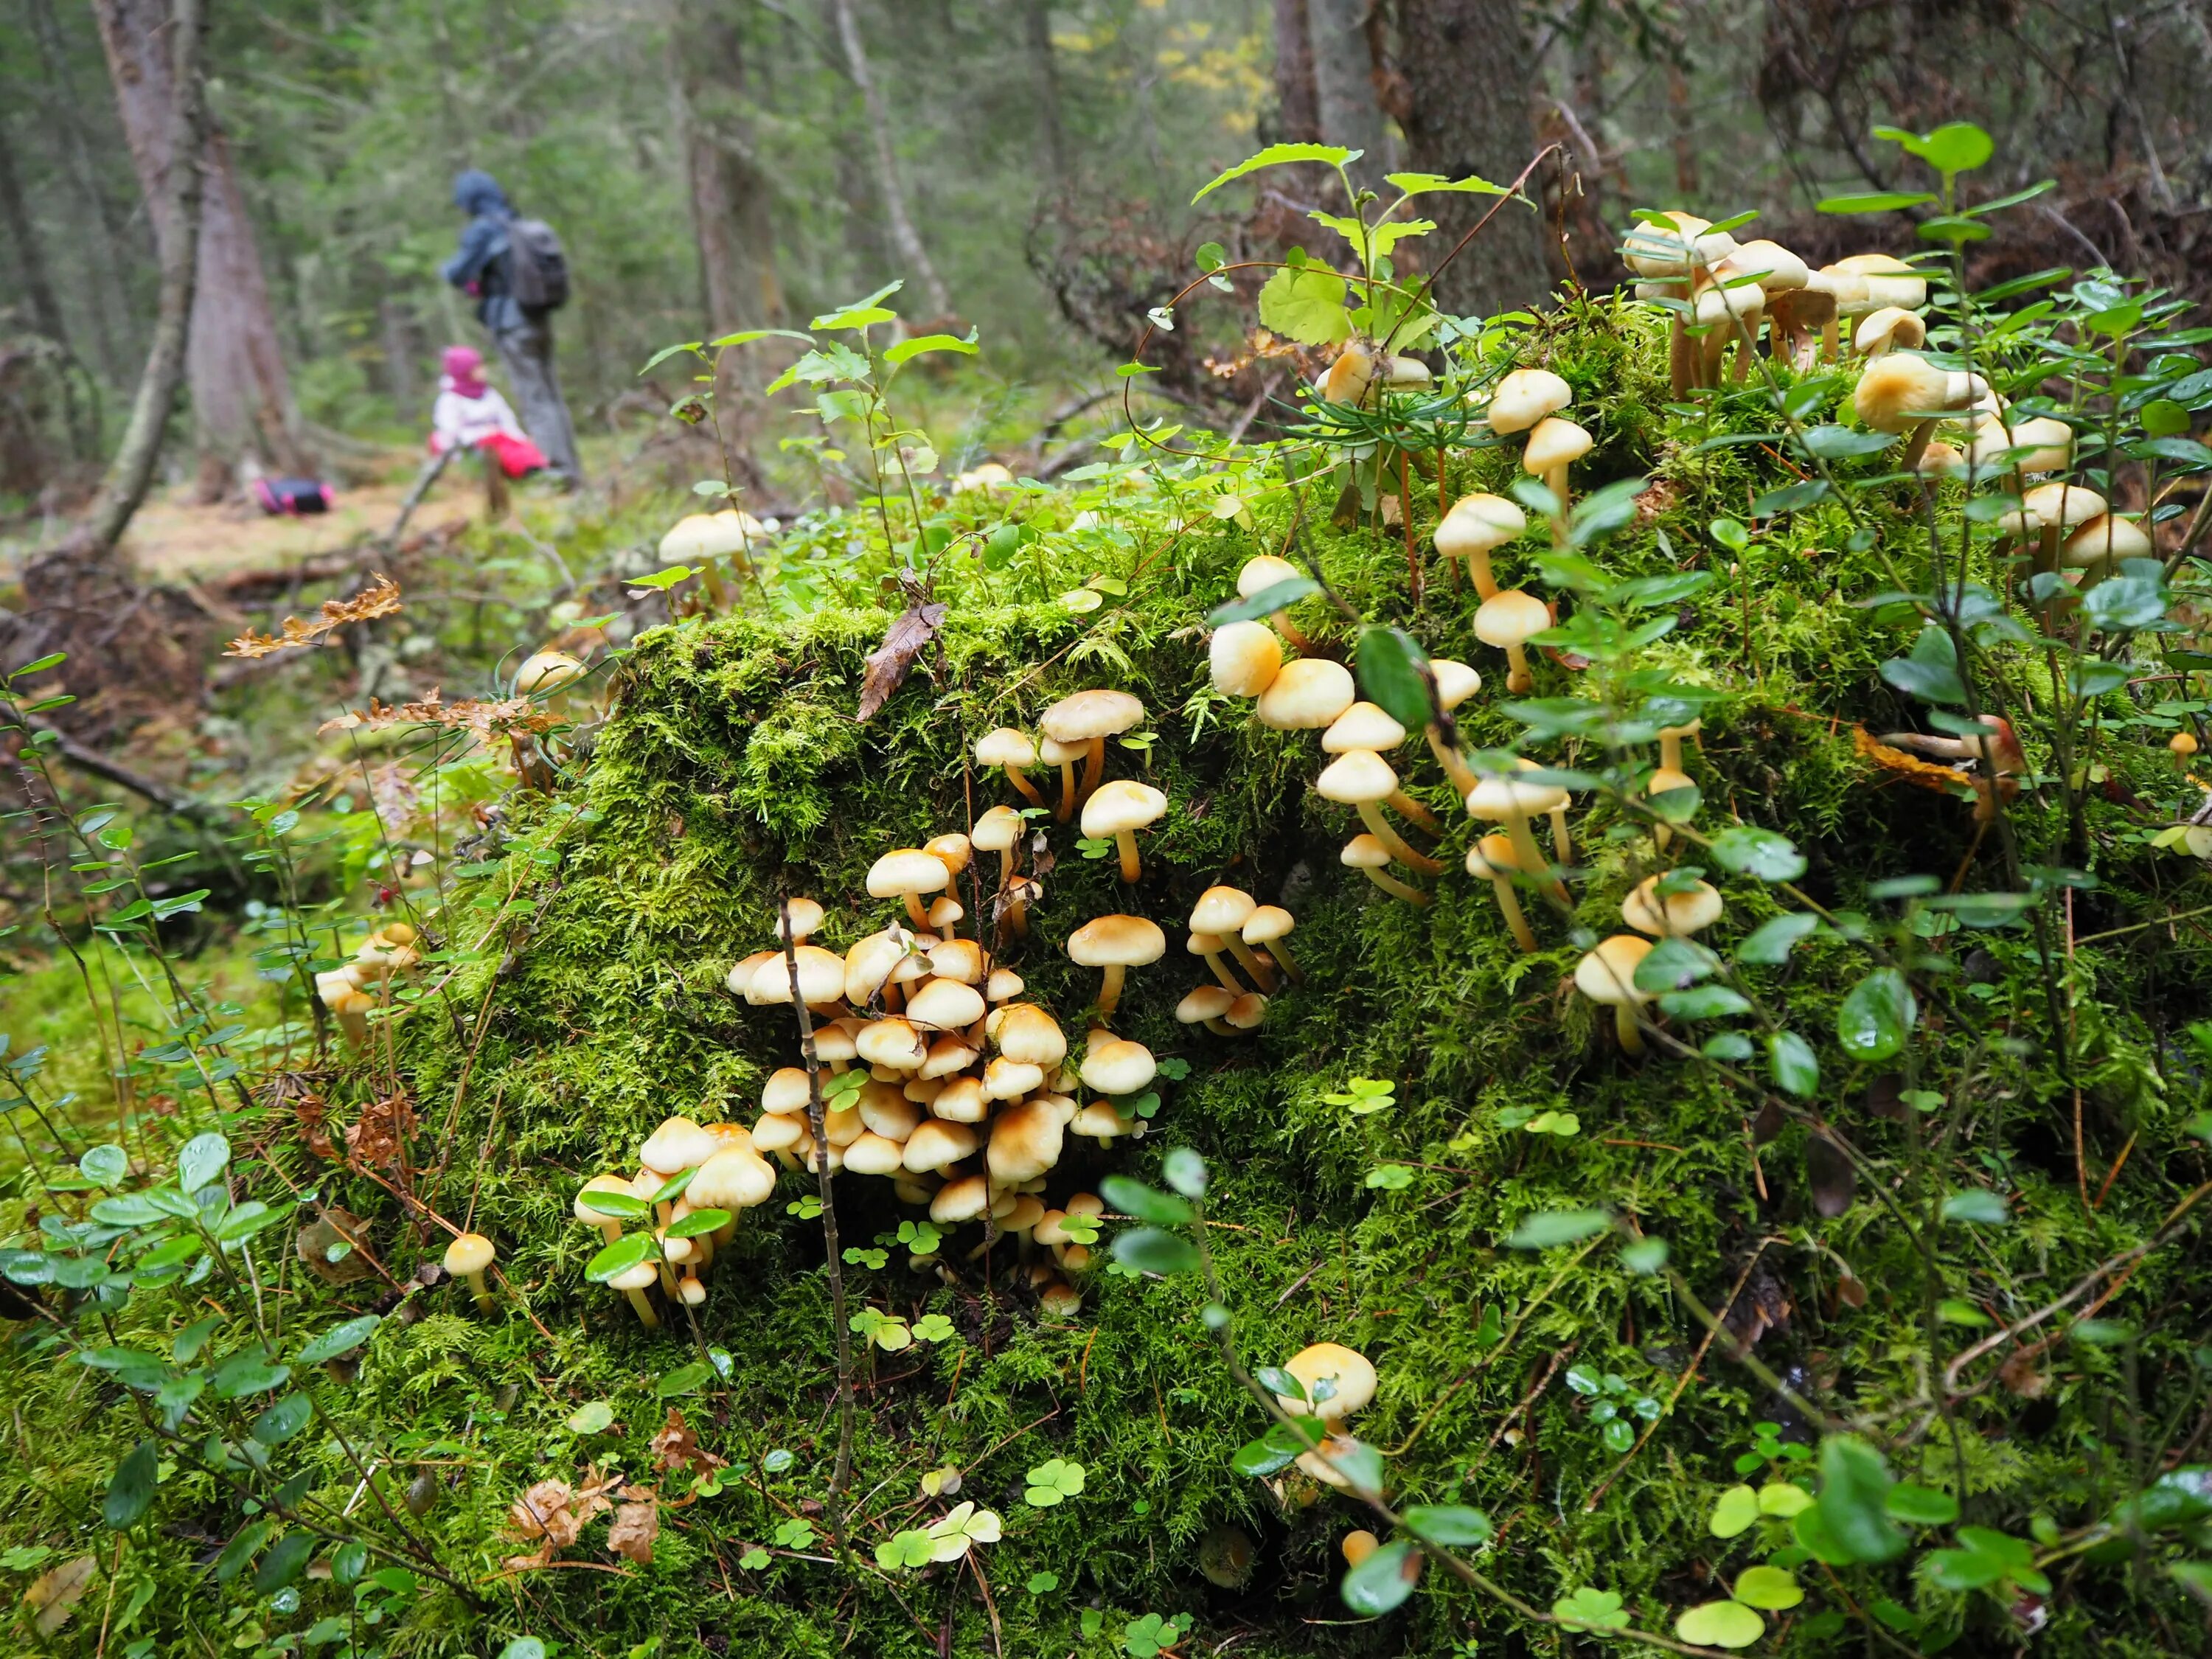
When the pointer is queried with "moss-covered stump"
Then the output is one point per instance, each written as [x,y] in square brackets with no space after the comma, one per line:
[732,771]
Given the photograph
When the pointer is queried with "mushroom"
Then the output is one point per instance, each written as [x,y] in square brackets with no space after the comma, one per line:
[1099,1122]
[1060,1299]
[1552,446]
[1115,944]
[907,872]
[1903,391]
[1729,310]
[1270,925]
[1012,750]
[351,1004]
[1510,620]
[1781,276]
[467,1257]
[893,1042]
[610,1228]
[1115,1065]
[1889,280]
[1663,781]
[805,916]
[1358,1546]
[1308,693]
[821,973]
[1677,915]
[1350,376]
[1456,683]
[1010,1079]
[872,1154]
[963,1199]
[1211,946]
[949,1055]
[1365,725]
[1608,976]
[961,1101]
[988,475]
[1028,1035]
[633,1283]
[1366,853]
[735,1178]
[1065,756]
[1525,397]
[1246,1013]
[2181,745]
[1361,779]
[1890,329]
[952,850]
[1802,320]
[2102,543]
[1513,802]
[1244,657]
[2062,508]
[1221,913]
[546,672]
[1405,374]
[1670,744]
[1087,718]
[1492,857]
[999,831]
[958,958]
[1474,527]
[1349,1374]
[712,536]
[676,1145]
[1025,1141]
[1004,986]
[944,1005]
[1205,1005]
[936,1145]
[1119,809]
[1262,572]
[1676,251]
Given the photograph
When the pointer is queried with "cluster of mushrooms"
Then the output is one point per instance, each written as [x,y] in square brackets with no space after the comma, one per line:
[351,991]
[1229,919]
[728,1176]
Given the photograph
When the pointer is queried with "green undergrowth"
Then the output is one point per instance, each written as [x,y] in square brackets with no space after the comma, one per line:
[732,770]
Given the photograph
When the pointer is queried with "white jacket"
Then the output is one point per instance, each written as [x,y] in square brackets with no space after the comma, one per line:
[467,421]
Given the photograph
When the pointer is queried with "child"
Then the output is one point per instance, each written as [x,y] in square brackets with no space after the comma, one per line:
[471,414]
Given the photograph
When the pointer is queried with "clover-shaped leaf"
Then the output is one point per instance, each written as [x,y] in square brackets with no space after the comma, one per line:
[1591,1609]
[911,1548]
[932,1327]
[794,1535]
[962,1528]
[1052,1482]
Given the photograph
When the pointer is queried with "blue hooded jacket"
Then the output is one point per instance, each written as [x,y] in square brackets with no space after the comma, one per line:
[482,257]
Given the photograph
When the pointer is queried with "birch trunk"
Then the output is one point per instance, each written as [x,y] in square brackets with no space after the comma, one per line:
[906,241]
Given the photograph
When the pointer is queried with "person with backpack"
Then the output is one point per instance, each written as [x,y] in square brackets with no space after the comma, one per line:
[518,274]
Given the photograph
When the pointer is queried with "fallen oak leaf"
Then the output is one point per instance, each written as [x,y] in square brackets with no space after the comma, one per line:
[54,1595]
[676,1447]
[889,663]
[636,1524]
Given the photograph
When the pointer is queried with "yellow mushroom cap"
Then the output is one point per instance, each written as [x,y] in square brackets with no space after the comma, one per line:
[997,830]
[642,1276]
[1116,1066]
[963,1199]
[781,1134]
[1117,941]
[1221,910]
[1364,852]
[1263,571]
[1360,776]
[710,536]
[598,1184]
[1607,974]
[821,975]
[1525,397]
[1409,372]
[2049,444]
[548,670]
[786,1091]
[1679,914]
[1098,1121]
[1775,268]
[1363,726]
[1497,799]
[2065,505]
[1010,1079]
[907,870]
[1350,376]
[1205,1002]
[1358,1546]
[470,1253]
[1847,288]
[1889,280]
[1308,693]
[677,1143]
[1683,243]
[1456,681]
[1891,326]
[1006,747]
[1351,1372]
[944,1005]
[1025,1141]
[1247,1011]
[936,1142]
[1901,390]
[1089,715]
[962,1101]
[1268,922]
[1555,442]
[892,1043]
[805,917]
[2107,537]
[886,1110]
[1512,617]
[1244,657]
[1121,806]
[1477,523]
[1028,1035]
[960,959]
[1492,856]
[735,1178]
[1717,305]
[1004,985]
[875,1155]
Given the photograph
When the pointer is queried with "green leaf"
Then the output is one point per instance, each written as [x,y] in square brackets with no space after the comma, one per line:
[1645,1255]
[1876,1017]
[1736,1511]
[128,1210]
[247,1372]
[1133,1198]
[1920,1506]
[621,1207]
[1853,1504]
[620,1257]
[280,1422]
[242,1549]
[1450,1524]
[340,1339]
[1278,596]
[1278,1449]
[667,352]
[1184,1171]
[1784,1499]
[1791,1063]
[698,1222]
[1306,304]
[286,1560]
[529,1647]
[104,1166]
[130,1489]
[684,1379]
[1277,155]
[1768,946]
[1380,1583]
[1149,1250]
[204,1157]
[1930,672]
[1954,147]
[1761,853]
[1430,184]
[1591,1609]
[1976,1205]
[1771,1587]
[916,345]
[1720,1624]
[1394,672]
[1548,1229]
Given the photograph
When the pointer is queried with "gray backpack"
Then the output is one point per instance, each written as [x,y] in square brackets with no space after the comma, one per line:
[536,266]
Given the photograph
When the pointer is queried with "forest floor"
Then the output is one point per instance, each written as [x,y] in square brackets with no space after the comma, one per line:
[176,537]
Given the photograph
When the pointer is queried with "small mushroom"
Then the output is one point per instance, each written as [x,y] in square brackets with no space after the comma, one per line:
[907,872]
[608,1228]
[1513,803]
[1115,944]
[1363,851]
[1025,1142]
[1525,397]
[1119,809]
[1408,374]
[2042,444]
[1270,925]
[350,1003]
[1350,376]
[1729,312]
[1903,391]
[1209,946]
[1665,780]
[1607,976]
[1358,1546]
[1115,1065]
[1087,721]
[633,1283]
[1028,1035]
[1247,1013]
[467,1257]
[1365,725]
[1675,252]
[1243,658]
[953,850]
[1362,780]
[2101,545]
[966,1199]
[1670,744]
[999,831]
[805,916]
[1890,329]
[1066,756]
[943,1005]
[1205,1005]
[1262,572]
[936,1145]
[1890,282]
[1221,913]
[1509,621]
[1456,683]
[821,973]
[1349,1374]
[1677,915]
[1099,1122]
[545,672]
[2182,745]
[1475,526]
[1552,446]
[1492,857]
[1307,695]
[1781,276]
[2061,510]
[1004,986]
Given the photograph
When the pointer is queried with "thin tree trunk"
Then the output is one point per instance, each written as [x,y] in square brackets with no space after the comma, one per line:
[30,257]
[733,202]
[179,191]
[1044,73]
[906,241]
[242,395]
[105,287]
[1467,72]
[1298,107]
[1344,85]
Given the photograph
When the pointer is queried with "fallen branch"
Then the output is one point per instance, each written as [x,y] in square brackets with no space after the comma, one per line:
[90,760]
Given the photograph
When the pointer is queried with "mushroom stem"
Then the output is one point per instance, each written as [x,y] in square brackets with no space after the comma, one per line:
[1407,807]
[355,1024]
[1556,482]
[1294,635]
[914,909]
[1281,949]
[1218,1029]
[1518,677]
[1681,357]
[1393,842]
[1516,921]
[1917,444]
[1831,339]
[1253,965]
[1127,841]
[1017,919]
[1670,748]
[1067,807]
[1527,853]
[611,1229]
[1020,780]
[1624,1026]
[1109,988]
[1478,572]
[1397,889]
[479,1290]
[645,1313]
[1461,776]
[1562,846]
[1094,771]
[1228,981]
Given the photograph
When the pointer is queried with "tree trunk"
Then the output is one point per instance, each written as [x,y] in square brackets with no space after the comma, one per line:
[104,287]
[732,202]
[906,241]
[1468,71]
[241,396]
[1044,74]
[1297,108]
[1344,85]
[176,194]
[30,257]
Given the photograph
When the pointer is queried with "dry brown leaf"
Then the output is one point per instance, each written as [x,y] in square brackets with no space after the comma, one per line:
[487,719]
[379,598]
[1908,768]
[54,1595]
[374,1138]
[635,1526]
[333,1228]
[2020,1374]
[889,663]
[676,1447]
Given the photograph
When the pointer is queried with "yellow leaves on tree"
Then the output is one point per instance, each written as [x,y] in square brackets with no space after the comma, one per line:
[379,598]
